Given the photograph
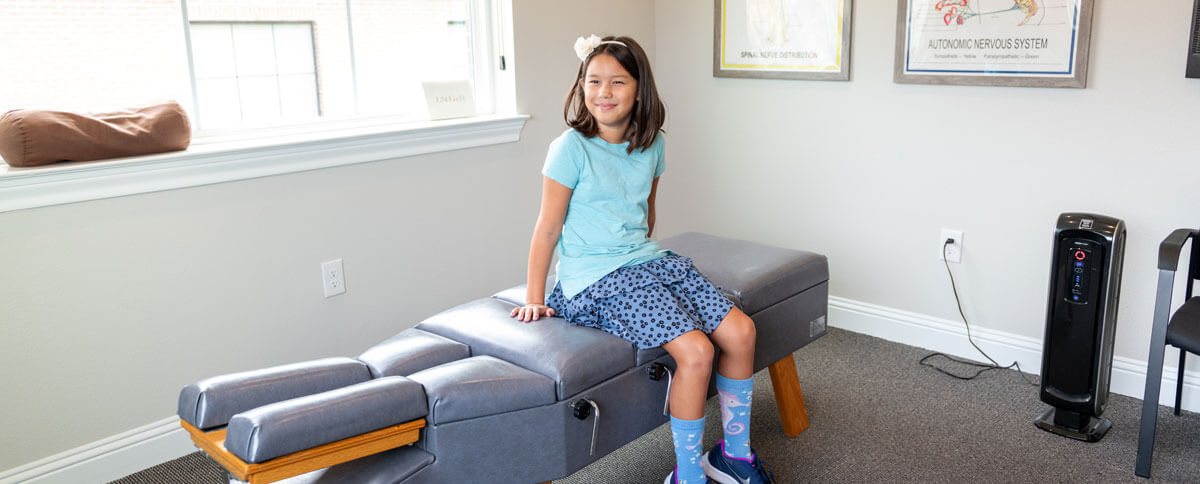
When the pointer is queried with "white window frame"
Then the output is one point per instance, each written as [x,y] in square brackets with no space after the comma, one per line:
[293,149]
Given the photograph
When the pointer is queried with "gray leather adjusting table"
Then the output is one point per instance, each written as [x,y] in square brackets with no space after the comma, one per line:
[473,395]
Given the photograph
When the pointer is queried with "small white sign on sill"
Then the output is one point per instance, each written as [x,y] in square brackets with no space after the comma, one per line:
[449,99]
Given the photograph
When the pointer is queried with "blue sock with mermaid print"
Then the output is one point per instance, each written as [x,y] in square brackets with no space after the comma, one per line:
[735,414]
[688,436]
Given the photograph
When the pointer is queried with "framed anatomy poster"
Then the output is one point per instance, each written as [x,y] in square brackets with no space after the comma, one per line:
[782,39]
[1029,43]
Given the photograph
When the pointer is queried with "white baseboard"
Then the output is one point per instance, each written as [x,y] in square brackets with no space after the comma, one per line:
[107,459]
[950,337]
[158,442]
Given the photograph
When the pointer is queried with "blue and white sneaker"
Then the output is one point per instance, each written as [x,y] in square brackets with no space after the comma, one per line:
[671,478]
[732,470]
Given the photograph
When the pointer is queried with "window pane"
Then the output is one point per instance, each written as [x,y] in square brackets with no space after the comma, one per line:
[260,99]
[254,49]
[212,51]
[82,55]
[300,99]
[290,57]
[399,44]
[225,108]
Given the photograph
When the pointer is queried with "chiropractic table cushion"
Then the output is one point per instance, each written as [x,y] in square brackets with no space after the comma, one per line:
[473,395]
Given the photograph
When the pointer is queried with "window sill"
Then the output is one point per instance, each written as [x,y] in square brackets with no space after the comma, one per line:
[217,162]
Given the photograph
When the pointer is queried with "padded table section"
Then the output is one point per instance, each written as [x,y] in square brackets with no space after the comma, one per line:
[788,325]
[410,351]
[211,402]
[480,386]
[516,294]
[647,355]
[289,426]
[762,276]
[574,357]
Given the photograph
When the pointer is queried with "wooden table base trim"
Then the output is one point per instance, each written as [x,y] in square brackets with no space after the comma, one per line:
[283,467]
[788,397]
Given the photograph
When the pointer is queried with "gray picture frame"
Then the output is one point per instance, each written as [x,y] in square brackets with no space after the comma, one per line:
[1077,77]
[766,72]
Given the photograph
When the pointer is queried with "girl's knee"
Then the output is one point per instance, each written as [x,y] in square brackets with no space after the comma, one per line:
[749,331]
[700,352]
[693,350]
[741,330]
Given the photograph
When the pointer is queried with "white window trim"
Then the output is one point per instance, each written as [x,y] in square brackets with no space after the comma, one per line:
[218,162]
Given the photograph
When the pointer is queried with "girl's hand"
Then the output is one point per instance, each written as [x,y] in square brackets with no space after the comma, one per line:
[531,312]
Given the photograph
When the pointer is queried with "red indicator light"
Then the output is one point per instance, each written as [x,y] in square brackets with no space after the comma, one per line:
[1080,255]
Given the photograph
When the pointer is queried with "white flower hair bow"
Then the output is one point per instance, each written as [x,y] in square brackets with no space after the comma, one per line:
[585,45]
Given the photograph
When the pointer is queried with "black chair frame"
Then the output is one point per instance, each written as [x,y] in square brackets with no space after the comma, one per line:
[1168,262]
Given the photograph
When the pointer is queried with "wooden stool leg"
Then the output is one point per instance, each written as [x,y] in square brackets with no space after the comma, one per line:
[788,396]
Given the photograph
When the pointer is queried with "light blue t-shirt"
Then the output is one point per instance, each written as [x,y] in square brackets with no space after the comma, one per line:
[606,225]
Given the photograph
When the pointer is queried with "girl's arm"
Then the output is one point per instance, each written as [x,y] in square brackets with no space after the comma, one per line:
[549,225]
[650,208]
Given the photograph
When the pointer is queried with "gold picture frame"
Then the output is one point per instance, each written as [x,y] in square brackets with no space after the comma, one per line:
[782,39]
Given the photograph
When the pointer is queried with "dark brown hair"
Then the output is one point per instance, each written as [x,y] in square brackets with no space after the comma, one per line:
[648,114]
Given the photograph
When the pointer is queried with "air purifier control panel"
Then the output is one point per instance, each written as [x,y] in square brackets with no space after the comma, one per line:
[1079,259]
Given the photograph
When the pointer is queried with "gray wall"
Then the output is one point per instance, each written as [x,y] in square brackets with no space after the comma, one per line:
[107,308]
[869,171]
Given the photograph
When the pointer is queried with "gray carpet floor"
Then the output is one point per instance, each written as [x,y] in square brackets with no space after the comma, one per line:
[878,416]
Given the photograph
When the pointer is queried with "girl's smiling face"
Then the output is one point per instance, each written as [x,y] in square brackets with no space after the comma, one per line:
[609,92]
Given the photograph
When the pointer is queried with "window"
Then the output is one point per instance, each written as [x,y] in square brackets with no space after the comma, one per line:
[271,86]
[236,64]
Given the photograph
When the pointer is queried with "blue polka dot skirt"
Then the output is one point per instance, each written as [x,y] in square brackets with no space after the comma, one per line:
[647,304]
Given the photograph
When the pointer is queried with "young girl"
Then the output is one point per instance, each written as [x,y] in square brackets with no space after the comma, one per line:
[597,207]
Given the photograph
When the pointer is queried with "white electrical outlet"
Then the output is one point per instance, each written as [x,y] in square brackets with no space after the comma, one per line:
[951,252]
[332,276]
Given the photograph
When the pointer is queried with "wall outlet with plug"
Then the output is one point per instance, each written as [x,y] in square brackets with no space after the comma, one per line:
[951,252]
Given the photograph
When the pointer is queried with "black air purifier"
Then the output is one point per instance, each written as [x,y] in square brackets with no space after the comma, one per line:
[1085,282]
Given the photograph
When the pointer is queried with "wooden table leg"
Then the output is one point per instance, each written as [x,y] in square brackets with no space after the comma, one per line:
[788,397]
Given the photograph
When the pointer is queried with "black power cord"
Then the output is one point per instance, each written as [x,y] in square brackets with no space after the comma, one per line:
[982,366]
